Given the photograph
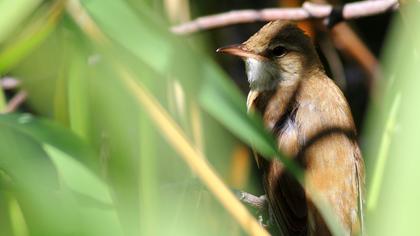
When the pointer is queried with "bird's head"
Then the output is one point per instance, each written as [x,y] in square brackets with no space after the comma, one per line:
[279,51]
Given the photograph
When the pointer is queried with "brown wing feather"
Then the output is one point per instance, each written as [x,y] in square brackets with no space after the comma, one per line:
[321,136]
[286,199]
[331,155]
[285,195]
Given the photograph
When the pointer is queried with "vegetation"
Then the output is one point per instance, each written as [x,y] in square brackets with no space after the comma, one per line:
[130,130]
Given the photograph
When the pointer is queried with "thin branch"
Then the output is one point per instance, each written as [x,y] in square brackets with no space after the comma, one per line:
[307,11]
[82,18]
[9,83]
[347,41]
[16,101]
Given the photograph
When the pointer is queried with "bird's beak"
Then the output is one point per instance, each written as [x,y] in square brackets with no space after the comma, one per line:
[240,51]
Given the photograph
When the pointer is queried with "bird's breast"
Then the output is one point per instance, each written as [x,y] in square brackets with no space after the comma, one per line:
[278,108]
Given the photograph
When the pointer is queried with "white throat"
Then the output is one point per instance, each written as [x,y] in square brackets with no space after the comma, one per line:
[262,75]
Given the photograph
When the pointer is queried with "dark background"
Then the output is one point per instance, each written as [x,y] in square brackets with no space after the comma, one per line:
[371,30]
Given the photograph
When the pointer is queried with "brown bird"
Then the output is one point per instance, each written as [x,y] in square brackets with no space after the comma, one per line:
[310,117]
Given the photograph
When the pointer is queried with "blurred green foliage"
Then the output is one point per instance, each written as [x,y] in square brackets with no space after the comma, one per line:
[393,202]
[89,161]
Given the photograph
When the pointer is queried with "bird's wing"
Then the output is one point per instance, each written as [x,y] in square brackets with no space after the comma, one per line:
[286,199]
[329,150]
[360,168]
[318,130]
[285,195]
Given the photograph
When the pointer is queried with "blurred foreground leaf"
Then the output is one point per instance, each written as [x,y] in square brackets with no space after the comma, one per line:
[394,206]
[223,101]
[44,170]
[32,35]
[13,12]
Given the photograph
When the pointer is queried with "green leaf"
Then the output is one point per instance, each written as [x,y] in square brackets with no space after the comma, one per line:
[13,13]
[31,36]
[47,132]
[88,189]
[133,32]
[44,162]
[78,96]
[77,177]
[223,101]
[2,99]
[22,158]
[393,192]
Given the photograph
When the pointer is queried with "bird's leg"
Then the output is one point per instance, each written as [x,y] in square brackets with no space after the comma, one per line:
[258,203]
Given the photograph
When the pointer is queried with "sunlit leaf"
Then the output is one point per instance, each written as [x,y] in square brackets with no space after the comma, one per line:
[224,102]
[131,31]
[32,36]
[52,156]
[13,12]
[395,207]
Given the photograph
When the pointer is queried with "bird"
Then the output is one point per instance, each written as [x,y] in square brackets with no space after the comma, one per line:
[312,124]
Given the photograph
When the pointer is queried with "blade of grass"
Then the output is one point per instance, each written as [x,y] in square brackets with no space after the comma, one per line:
[13,13]
[2,100]
[148,192]
[196,160]
[17,219]
[249,126]
[78,13]
[224,102]
[175,136]
[52,134]
[33,36]
[192,156]
[156,52]
[381,160]
[78,96]
[77,177]
[396,208]
[218,98]
[55,188]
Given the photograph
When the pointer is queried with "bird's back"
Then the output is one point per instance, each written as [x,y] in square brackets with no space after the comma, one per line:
[313,124]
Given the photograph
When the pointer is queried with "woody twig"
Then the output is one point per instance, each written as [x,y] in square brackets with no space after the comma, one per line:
[307,11]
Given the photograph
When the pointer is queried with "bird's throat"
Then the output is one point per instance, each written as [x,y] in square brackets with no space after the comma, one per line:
[262,75]
[266,75]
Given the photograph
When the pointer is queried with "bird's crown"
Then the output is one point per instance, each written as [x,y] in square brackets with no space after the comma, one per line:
[279,33]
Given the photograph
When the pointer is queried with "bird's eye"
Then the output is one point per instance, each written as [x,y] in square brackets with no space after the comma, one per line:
[279,51]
